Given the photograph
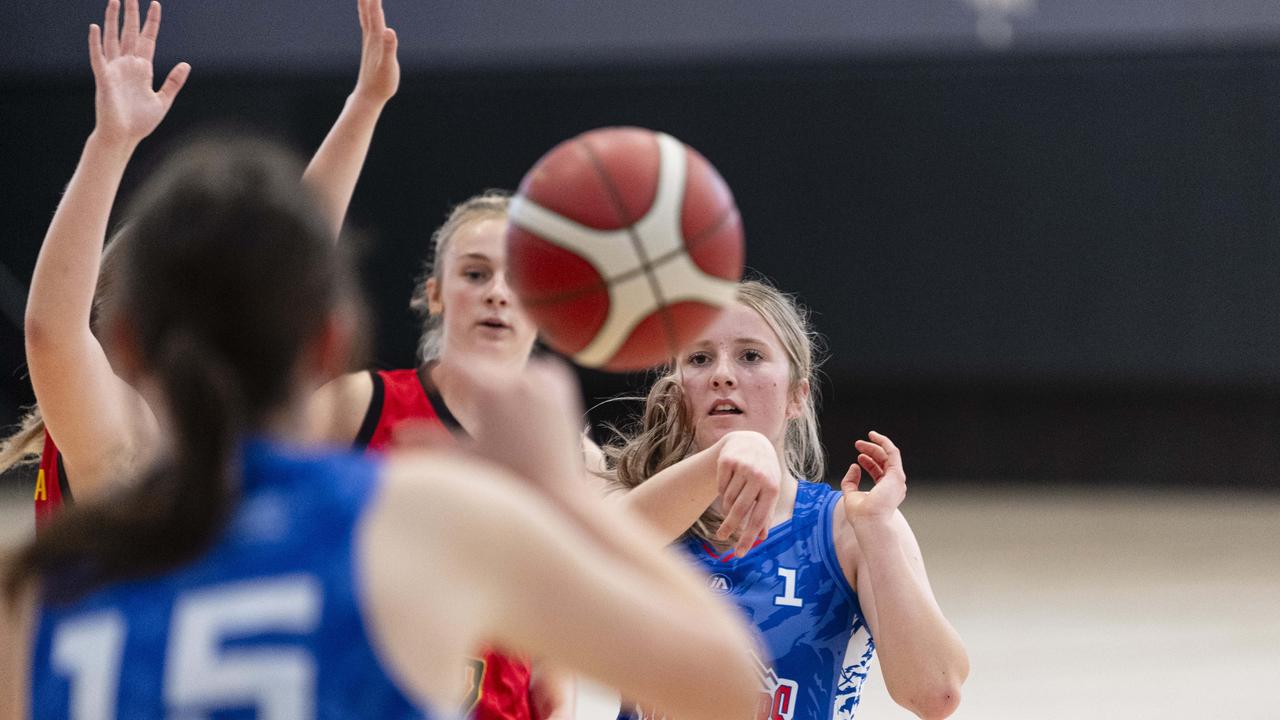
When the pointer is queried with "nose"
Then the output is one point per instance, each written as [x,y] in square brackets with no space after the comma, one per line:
[722,375]
[499,294]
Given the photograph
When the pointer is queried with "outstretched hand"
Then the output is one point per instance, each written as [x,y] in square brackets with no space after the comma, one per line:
[379,69]
[883,461]
[527,419]
[127,107]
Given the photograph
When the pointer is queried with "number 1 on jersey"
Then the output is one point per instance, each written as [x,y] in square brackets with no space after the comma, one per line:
[788,597]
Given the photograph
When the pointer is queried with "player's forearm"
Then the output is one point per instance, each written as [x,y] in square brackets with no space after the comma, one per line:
[335,168]
[672,500]
[922,657]
[635,545]
[66,271]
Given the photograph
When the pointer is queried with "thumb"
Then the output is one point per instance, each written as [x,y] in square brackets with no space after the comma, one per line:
[849,484]
[173,83]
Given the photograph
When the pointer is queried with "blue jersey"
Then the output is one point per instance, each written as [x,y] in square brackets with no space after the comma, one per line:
[792,589]
[266,625]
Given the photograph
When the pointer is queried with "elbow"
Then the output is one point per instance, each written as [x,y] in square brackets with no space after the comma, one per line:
[935,702]
[941,703]
[34,330]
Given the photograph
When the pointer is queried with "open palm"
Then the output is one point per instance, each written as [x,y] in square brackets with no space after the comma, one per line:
[883,461]
[127,107]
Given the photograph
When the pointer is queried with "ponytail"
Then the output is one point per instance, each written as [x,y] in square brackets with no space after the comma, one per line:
[169,516]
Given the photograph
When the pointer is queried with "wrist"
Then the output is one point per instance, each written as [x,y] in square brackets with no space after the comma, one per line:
[365,102]
[110,144]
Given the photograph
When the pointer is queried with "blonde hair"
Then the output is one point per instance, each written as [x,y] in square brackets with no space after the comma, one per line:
[487,205]
[664,434]
[26,443]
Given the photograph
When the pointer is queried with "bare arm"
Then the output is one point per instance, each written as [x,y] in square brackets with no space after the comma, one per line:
[336,409]
[16,628]
[92,413]
[742,466]
[469,555]
[333,172]
[922,657]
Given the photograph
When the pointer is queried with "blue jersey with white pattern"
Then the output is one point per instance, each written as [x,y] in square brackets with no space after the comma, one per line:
[793,590]
[267,624]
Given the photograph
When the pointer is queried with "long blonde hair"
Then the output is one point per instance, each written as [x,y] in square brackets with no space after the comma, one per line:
[487,205]
[663,435]
[26,443]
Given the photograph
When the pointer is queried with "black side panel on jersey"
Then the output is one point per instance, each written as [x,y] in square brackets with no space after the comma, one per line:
[63,486]
[371,416]
[437,402]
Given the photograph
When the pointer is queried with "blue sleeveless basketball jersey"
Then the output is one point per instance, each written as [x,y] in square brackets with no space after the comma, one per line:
[793,591]
[266,625]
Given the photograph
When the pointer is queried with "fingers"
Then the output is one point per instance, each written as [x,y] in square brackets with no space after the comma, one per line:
[129,35]
[377,18]
[146,48]
[363,10]
[96,60]
[172,84]
[733,499]
[873,468]
[111,30]
[757,526]
[389,43]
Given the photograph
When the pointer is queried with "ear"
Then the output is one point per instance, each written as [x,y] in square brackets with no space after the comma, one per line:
[799,396]
[435,305]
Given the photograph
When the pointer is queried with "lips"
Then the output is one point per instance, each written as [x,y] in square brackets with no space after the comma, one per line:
[494,323]
[725,407]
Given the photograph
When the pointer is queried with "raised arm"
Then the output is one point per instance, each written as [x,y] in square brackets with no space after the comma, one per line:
[93,415]
[922,657]
[333,172]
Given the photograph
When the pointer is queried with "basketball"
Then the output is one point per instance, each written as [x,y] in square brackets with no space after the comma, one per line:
[623,244]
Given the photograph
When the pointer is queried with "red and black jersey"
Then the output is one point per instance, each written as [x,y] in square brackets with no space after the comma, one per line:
[52,489]
[498,685]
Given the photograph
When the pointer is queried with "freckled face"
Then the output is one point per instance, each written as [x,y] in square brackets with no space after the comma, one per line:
[736,376]
[480,311]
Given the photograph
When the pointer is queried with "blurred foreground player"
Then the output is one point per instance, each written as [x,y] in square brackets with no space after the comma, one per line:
[242,574]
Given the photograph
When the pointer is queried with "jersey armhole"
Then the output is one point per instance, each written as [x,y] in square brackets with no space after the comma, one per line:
[64,487]
[827,548]
[372,415]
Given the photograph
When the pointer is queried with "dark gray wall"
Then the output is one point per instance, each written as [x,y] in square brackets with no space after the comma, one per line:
[1035,265]
[305,35]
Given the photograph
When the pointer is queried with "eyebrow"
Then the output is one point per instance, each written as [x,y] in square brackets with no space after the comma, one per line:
[736,341]
[474,256]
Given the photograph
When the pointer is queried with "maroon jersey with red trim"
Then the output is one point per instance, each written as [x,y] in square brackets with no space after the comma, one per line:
[51,483]
[498,685]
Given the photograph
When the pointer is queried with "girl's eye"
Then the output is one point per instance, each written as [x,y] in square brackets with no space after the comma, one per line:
[752,356]
[699,359]
[475,275]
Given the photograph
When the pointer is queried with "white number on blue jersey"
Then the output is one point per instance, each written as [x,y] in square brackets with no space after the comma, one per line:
[201,676]
[88,650]
[788,597]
